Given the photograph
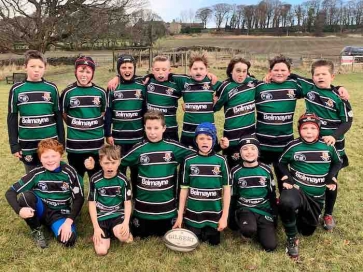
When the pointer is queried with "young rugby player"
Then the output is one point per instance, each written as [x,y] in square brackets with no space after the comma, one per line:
[51,195]
[309,166]
[36,101]
[206,189]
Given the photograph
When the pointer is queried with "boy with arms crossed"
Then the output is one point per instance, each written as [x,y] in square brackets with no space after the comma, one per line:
[109,201]
[83,106]
[51,194]
[313,166]
[206,190]
[36,101]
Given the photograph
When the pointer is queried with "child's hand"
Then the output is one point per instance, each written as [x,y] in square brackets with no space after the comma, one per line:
[287,185]
[222,224]
[331,187]
[329,140]
[66,230]
[224,142]
[178,223]
[267,78]
[213,78]
[215,99]
[343,93]
[124,230]
[98,234]
[110,140]
[89,163]
[26,212]
[18,154]
[146,80]
[113,83]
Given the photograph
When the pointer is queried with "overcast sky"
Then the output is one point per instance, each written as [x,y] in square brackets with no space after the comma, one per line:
[171,9]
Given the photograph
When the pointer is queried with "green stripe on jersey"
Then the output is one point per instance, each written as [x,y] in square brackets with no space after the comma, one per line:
[84,107]
[253,187]
[157,164]
[36,103]
[109,195]
[238,101]
[275,104]
[309,164]
[205,176]
[126,104]
[198,102]
[56,190]
[163,97]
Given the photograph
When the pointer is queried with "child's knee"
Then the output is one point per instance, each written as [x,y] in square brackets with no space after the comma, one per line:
[101,250]
[248,230]
[28,199]
[269,245]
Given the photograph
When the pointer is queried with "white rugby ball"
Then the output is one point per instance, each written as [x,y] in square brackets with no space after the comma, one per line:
[182,240]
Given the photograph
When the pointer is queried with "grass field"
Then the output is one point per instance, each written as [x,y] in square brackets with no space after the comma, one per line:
[341,250]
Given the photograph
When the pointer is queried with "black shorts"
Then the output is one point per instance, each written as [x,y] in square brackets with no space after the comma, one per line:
[108,225]
[172,134]
[252,224]
[145,228]
[76,160]
[206,234]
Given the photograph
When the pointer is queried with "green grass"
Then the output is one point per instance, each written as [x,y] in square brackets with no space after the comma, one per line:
[341,250]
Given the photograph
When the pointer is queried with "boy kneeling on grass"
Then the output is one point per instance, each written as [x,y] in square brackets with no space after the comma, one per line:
[51,195]
[313,165]
[206,189]
[109,200]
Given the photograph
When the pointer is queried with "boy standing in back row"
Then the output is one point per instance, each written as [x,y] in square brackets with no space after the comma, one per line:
[36,101]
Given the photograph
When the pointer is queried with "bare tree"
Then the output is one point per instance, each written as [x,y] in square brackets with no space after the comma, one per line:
[40,23]
[220,12]
[204,14]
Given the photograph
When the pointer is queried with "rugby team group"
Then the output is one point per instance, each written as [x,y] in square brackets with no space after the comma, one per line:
[178,182]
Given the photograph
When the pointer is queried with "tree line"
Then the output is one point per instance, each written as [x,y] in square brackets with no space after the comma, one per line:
[309,16]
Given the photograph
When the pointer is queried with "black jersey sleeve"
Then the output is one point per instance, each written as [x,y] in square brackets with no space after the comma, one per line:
[60,127]
[13,132]
[11,197]
[108,122]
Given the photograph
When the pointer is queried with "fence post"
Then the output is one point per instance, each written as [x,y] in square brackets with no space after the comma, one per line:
[186,61]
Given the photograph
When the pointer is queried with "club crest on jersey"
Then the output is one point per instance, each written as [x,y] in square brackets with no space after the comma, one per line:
[311,96]
[118,95]
[242,183]
[262,181]
[74,102]
[118,191]
[299,157]
[216,170]
[194,170]
[266,96]
[325,156]
[76,190]
[96,100]
[329,103]
[28,158]
[206,86]
[187,87]
[169,91]
[128,193]
[167,157]
[46,96]
[235,156]
[43,186]
[350,113]
[151,87]
[102,191]
[65,186]
[144,159]
[23,98]
[291,94]
[138,94]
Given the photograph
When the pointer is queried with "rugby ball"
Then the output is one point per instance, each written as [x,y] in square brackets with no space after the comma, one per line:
[182,240]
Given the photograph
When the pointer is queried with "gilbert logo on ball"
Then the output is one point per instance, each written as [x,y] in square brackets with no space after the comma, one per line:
[182,240]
